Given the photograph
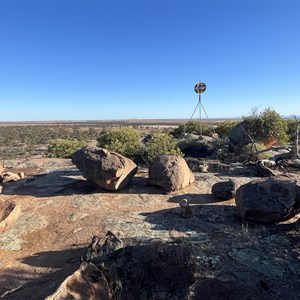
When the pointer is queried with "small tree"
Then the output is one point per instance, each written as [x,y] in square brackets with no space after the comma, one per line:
[124,140]
[64,148]
[295,152]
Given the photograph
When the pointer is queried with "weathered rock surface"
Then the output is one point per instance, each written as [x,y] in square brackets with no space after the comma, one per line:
[237,135]
[9,212]
[101,249]
[157,270]
[108,169]
[88,282]
[196,145]
[61,211]
[267,200]
[170,172]
[224,190]
[196,165]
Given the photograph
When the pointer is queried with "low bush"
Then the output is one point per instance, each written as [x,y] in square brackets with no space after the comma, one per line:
[160,144]
[124,140]
[266,126]
[222,128]
[64,148]
[193,127]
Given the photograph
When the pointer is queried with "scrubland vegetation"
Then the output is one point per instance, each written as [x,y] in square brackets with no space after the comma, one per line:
[142,143]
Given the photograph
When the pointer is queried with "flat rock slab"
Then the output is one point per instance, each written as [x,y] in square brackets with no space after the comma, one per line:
[9,213]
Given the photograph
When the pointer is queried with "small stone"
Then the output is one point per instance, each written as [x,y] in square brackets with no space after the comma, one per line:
[224,190]
[203,168]
[186,210]
[9,176]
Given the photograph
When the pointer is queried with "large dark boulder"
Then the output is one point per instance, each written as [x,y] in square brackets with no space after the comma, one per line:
[196,146]
[238,135]
[196,165]
[158,270]
[267,200]
[170,172]
[108,169]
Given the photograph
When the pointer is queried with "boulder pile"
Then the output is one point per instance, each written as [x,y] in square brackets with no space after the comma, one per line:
[113,171]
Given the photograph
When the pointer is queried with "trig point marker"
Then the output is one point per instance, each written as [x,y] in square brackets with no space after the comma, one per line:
[200,88]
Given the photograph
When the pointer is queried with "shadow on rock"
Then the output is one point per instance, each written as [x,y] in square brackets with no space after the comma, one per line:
[63,183]
[51,184]
[184,270]
[206,220]
[195,198]
[19,284]
[156,271]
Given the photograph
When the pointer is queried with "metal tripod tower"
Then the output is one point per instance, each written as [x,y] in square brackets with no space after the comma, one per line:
[199,88]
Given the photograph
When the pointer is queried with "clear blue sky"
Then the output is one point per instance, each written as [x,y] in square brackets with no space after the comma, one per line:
[109,59]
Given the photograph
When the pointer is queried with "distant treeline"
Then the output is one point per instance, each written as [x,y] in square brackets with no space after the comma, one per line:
[19,139]
[22,140]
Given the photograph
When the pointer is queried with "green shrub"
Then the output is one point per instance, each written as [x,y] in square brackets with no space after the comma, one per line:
[64,147]
[160,144]
[124,140]
[267,125]
[291,130]
[223,127]
[193,127]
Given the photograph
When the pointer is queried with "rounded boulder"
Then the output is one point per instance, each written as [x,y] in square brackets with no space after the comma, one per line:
[170,172]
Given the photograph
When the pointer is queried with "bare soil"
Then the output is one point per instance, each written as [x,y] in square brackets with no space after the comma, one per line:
[61,211]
